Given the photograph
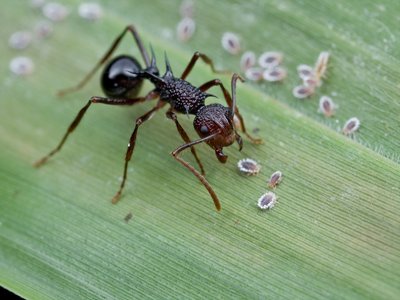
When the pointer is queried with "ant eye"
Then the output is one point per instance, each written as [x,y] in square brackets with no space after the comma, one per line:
[204,129]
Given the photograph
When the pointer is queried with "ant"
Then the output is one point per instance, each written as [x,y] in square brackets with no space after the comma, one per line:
[121,82]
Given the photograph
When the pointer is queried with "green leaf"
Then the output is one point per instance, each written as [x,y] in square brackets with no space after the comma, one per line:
[334,232]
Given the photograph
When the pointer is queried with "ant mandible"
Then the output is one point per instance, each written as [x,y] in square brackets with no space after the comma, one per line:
[121,81]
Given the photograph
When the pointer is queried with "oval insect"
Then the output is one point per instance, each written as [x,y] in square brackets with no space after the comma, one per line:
[302,91]
[248,167]
[22,66]
[267,201]
[270,59]
[231,43]
[20,40]
[185,29]
[275,179]
[90,11]
[247,60]
[351,126]
[327,106]
[275,74]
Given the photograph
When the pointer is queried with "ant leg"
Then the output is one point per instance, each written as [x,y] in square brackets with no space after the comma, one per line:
[206,60]
[231,101]
[171,115]
[106,56]
[82,112]
[202,179]
[131,145]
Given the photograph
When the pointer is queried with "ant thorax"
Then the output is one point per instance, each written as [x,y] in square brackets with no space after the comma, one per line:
[182,96]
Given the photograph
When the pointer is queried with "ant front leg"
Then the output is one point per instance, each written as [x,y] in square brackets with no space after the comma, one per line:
[171,115]
[205,59]
[82,112]
[231,101]
[202,179]
[131,145]
[106,56]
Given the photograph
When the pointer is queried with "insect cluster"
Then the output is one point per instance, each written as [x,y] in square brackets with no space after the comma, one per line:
[268,66]
[268,200]
[121,82]
[269,69]
[312,78]
[249,167]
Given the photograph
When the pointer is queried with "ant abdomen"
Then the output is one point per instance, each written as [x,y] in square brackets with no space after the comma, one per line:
[120,77]
[215,119]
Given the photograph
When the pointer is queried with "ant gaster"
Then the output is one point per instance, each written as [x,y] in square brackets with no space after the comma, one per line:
[121,81]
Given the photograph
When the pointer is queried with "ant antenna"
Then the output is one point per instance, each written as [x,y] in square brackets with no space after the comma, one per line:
[235,77]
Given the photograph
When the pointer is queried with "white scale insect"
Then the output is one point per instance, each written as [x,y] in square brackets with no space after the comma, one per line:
[312,77]
[267,200]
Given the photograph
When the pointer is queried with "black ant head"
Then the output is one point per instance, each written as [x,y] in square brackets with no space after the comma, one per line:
[216,119]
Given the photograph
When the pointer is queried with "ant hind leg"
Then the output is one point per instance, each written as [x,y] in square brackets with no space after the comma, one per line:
[106,56]
[196,173]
